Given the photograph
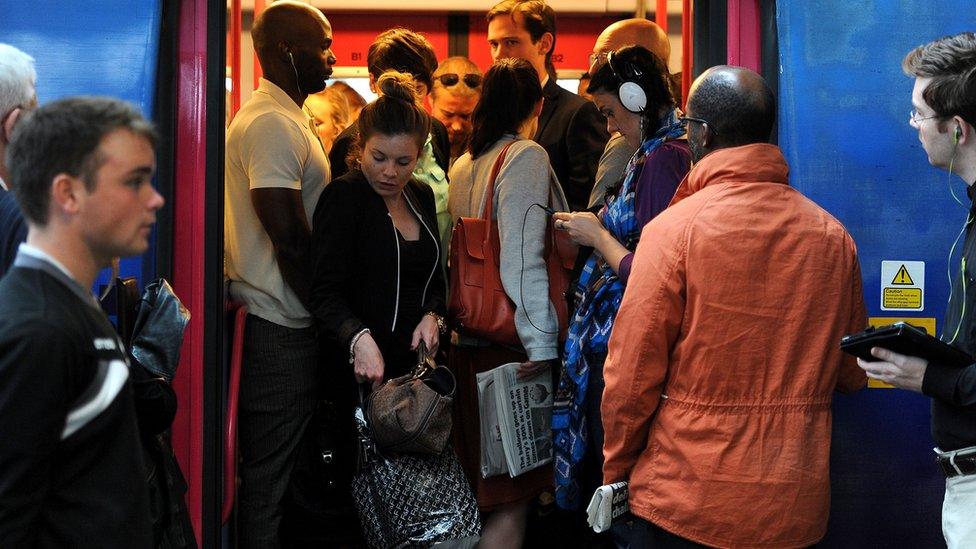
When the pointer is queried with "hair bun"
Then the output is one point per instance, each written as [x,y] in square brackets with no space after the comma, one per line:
[397,85]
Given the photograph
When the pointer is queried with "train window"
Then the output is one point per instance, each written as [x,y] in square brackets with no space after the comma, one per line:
[358,83]
[569,84]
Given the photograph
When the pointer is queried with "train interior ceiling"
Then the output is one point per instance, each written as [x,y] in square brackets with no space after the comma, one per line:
[833,64]
[453,28]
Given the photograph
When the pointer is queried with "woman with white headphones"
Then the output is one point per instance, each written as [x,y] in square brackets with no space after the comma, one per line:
[631,89]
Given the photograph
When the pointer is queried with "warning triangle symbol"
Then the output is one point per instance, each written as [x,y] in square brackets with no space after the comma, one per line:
[902,278]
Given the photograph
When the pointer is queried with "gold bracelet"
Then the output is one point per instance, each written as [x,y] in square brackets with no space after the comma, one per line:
[441,325]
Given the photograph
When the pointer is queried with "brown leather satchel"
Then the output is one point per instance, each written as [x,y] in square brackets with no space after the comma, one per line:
[478,305]
[412,413]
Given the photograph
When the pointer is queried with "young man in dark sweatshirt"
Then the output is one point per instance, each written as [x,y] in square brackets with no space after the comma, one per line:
[71,467]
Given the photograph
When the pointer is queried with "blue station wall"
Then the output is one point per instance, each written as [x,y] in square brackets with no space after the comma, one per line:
[844,109]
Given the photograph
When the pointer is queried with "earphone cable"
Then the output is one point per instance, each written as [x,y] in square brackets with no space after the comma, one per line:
[522,273]
[952,160]
[952,249]
[291,59]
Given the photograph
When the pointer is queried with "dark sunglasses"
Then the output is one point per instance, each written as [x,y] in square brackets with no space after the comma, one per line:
[449,79]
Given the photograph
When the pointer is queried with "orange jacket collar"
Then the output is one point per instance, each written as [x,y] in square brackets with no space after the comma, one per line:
[756,162]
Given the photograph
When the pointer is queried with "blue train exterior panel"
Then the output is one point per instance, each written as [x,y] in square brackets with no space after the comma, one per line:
[110,47]
[844,109]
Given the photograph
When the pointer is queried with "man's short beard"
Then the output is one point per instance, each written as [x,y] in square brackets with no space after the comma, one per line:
[697,151]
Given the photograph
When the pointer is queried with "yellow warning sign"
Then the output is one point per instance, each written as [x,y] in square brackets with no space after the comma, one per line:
[902,298]
[902,278]
[902,285]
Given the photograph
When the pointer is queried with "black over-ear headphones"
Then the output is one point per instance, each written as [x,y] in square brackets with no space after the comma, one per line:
[630,93]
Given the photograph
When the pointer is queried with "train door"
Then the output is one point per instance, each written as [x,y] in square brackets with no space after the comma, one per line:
[453,28]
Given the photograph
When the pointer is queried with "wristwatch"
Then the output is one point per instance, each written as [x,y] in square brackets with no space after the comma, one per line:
[441,325]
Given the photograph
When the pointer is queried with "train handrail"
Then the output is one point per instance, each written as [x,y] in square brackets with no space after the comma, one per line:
[235,57]
[233,391]
[686,50]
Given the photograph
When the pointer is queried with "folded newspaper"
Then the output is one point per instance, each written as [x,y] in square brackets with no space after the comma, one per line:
[516,420]
[609,503]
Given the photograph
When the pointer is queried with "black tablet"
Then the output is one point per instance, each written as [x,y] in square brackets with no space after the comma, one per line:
[903,338]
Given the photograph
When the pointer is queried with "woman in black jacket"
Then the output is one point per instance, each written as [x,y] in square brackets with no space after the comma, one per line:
[377,290]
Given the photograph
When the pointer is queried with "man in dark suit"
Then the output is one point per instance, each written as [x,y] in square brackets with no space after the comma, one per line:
[570,127]
[17,96]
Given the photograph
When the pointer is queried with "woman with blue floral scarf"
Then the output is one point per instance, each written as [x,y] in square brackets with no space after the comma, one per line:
[631,89]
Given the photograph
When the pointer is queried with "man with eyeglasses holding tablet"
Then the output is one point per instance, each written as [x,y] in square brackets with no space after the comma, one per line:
[944,114]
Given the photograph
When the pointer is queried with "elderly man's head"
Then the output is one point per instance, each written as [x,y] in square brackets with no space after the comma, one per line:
[457,88]
[17,95]
[729,107]
[631,32]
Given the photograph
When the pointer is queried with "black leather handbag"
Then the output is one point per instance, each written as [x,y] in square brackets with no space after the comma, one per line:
[410,500]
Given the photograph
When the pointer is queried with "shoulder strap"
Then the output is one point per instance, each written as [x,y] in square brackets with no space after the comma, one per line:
[495,168]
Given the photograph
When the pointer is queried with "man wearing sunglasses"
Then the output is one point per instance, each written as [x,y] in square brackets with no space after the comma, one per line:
[570,129]
[457,88]
[17,96]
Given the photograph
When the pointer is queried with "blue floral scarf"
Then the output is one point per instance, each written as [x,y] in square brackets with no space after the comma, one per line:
[599,292]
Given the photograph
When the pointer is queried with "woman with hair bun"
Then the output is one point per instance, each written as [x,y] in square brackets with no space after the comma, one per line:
[377,290]
[506,116]
[406,51]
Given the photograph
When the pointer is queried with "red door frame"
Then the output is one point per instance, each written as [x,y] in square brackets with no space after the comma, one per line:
[189,261]
[744,34]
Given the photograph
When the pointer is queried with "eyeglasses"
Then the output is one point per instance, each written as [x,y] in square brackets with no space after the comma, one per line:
[685,119]
[471,80]
[914,117]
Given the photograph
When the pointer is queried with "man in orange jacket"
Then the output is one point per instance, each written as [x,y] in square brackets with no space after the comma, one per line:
[724,357]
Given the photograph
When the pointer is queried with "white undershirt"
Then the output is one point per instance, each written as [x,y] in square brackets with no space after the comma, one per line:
[38,253]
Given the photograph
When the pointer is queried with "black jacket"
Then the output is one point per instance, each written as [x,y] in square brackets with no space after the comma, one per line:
[574,134]
[13,230]
[62,487]
[338,156]
[953,390]
[355,269]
